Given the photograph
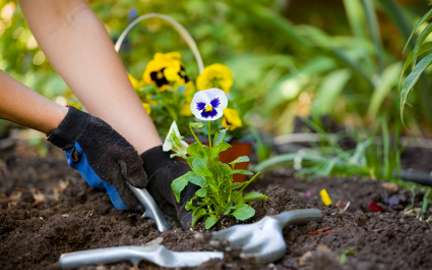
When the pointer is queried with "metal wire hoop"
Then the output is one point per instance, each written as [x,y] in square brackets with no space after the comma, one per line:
[177,26]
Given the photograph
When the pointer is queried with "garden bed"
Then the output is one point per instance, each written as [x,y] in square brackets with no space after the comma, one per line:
[46,210]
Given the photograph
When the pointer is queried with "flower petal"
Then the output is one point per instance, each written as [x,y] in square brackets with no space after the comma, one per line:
[174,142]
[209,115]
[216,75]
[215,102]
[214,97]
[213,93]
[200,105]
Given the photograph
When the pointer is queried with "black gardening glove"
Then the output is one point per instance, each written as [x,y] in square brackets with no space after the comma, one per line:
[102,156]
[162,170]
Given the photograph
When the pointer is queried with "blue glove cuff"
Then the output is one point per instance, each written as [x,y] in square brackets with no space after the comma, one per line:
[77,159]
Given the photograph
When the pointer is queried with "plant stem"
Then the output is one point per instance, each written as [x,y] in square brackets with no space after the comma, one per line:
[194,135]
[209,134]
[247,183]
[171,113]
[425,203]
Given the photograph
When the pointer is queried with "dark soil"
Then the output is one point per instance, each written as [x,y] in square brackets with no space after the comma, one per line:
[46,210]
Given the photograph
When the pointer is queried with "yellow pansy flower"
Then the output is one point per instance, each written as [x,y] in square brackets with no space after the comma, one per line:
[189,92]
[231,119]
[134,82]
[185,110]
[165,69]
[215,76]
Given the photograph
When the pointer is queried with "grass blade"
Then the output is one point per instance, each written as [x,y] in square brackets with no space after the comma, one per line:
[374,31]
[274,161]
[419,42]
[411,80]
[387,81]
[356,17]
[386,149]
[329,91]
[422,20]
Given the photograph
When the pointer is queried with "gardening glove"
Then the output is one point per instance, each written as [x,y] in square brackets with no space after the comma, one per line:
[102,156]
[162,171]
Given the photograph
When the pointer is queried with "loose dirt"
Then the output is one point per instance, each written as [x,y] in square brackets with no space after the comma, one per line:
[46,210]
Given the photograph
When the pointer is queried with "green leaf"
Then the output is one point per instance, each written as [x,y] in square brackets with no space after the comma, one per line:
[245,184]
[196,125]
[411,80]
[422,20]
[424,50]
[237,197]
[374,31]
[196,150]
[189,205]
[197,180]
[228,210]
[276,161]
[240,159]
[219,137]
[210,222]
[197,215]
[174,142]
[386,83]
[356,17]
[202,192]
[200,167]
[179,184]
[244,172]
[217,149]
[243,212]
[255,196]
[344,58]
[329,92]
[419,42]
[220,169]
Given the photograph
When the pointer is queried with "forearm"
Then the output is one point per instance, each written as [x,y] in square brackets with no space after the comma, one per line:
[79,48]
[25,107]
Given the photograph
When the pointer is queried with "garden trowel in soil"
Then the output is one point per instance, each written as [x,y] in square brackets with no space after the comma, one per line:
[154,253]
[263,240]
[152,210]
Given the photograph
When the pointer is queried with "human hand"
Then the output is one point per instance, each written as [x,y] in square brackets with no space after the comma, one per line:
[102,156]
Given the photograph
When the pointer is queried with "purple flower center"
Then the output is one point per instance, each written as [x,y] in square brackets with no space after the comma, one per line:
[214,103]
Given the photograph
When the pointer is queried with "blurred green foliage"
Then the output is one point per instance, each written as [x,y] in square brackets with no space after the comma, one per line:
[419,58]
[341,58]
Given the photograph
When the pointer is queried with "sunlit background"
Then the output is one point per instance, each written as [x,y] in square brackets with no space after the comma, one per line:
[289,58]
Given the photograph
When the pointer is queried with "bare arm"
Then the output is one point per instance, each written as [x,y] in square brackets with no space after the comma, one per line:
[23,106]
[78,47]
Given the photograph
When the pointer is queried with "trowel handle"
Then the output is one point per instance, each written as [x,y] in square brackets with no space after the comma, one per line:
[300,216]
[98,256]
[151,209]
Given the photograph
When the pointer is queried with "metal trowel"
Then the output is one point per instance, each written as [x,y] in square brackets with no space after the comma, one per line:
[154,253]
[152,210]
[262,240]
